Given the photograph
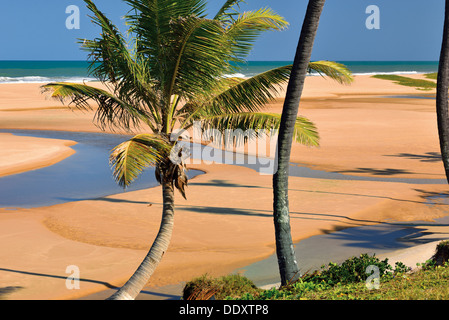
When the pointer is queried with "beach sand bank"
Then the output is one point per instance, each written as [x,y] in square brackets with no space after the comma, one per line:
[226,221]
[22,154]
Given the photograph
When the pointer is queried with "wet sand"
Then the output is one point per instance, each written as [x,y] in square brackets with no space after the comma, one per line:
[226,221]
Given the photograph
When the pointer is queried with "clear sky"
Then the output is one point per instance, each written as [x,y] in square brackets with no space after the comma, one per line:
[409,29]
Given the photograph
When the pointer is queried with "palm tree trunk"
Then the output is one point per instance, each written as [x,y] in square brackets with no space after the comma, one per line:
[442,94]
[140,278]
[288,265]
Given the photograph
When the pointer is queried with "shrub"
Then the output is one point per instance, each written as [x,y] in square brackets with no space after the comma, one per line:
[351,270]
[205,288]
[441,255]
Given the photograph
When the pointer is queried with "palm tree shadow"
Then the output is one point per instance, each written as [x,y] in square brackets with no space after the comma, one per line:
[386,235]
[430,196]
[9,290]
[365,195]
[382,236]
[427,157]
[5,291]
[377,172]
[224,183]
[107,199]
[269,214]
[106,284]
[225,211]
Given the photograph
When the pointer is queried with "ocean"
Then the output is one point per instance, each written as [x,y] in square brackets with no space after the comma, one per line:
[77,71]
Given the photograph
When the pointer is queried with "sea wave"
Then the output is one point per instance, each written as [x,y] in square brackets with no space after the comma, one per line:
[376,73]
[371,73]
[236,75]
[385,73]
[38,79]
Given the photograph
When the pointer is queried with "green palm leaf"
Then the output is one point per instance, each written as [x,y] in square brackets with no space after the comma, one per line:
[227,10]
[111,112]
[305,133]
[234,95]
[111,61]
[152,22]
[333,70]
[130,158]
[252,94]
[242,32]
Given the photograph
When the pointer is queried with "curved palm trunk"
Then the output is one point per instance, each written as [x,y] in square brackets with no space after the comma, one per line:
[442,94]
[140,278]
[288,266]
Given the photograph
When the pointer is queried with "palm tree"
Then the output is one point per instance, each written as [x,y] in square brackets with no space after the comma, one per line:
[169,76]
[288,266]
[442,94]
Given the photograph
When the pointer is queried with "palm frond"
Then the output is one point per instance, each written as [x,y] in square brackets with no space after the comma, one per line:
[234,95]
[110,58]
[199,57]
[247,27]
[152,24]
[130,158]
[112,112]
[239,95]
[335,71]
[227,11]
[111,61]
[252,124]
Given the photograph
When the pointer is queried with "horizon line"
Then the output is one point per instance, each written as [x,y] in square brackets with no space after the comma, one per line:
[70,60]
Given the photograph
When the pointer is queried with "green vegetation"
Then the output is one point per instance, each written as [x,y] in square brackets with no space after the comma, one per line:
[204,287]
[432,76]
[419,84]
[345,281]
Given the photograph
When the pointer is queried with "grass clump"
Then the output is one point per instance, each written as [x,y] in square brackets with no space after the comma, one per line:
[419,84]
[206,288]
[433,75]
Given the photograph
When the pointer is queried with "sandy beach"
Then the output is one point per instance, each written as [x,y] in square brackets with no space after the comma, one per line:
[226,221]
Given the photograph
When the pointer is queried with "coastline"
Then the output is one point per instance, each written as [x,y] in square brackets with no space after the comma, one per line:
[28,153]
[221,227]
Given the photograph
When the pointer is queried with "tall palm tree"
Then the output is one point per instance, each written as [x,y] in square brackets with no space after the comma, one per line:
[442,94]
[288,266]
[168,77]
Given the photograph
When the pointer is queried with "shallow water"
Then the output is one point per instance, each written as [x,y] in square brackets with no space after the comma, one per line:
[412,97]
[87,174]
[82,176]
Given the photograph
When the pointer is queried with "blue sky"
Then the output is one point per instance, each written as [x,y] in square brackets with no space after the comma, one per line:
[409,29]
